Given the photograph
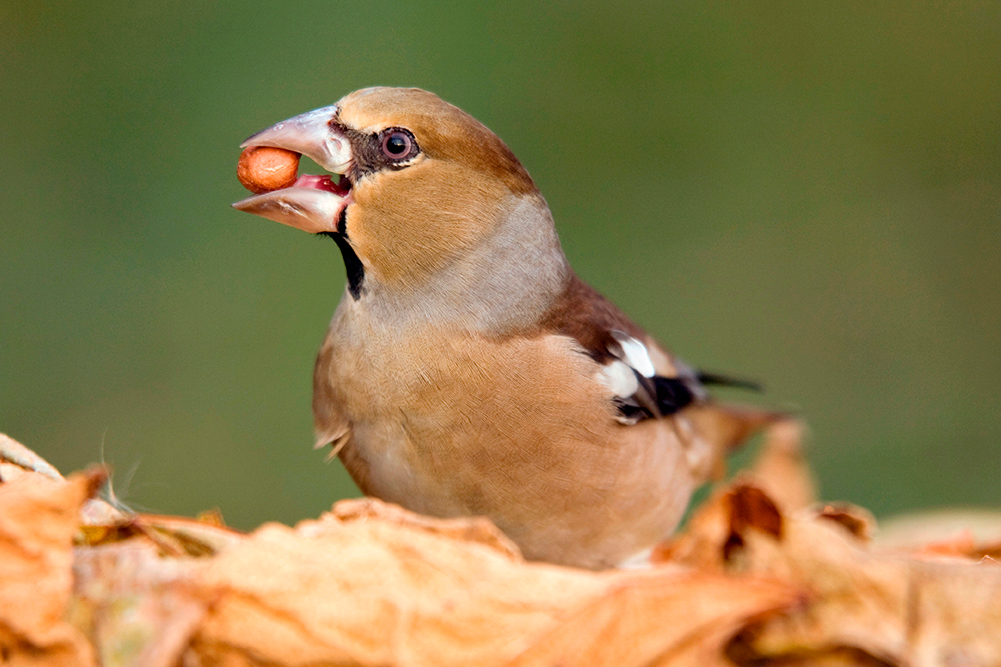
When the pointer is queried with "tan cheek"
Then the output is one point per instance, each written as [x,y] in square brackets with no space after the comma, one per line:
[407,224]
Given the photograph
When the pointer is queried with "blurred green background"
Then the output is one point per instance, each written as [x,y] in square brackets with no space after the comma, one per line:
[804,193]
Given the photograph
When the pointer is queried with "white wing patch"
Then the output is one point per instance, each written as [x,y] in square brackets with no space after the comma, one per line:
[632,361]
[620,378]
[638,391]
[635,354]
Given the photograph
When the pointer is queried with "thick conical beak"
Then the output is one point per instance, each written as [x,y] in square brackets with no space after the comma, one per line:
[312,203]
[311,134]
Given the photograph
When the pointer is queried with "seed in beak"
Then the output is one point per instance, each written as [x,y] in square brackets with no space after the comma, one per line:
[264,168]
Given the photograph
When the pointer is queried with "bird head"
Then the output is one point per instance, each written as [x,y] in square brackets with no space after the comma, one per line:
[427,196]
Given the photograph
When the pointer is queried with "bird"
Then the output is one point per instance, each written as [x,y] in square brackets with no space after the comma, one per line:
[468,370]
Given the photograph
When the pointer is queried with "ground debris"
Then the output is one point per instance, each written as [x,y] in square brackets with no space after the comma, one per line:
[761,575]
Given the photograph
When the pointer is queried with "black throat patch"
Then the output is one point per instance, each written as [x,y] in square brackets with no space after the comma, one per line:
[353,265]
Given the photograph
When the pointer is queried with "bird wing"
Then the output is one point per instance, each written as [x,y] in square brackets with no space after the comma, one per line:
[646,380]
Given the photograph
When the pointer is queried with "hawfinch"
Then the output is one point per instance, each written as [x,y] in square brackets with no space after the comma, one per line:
[467,369]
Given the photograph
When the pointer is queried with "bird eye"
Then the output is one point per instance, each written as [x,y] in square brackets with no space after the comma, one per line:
[398,145]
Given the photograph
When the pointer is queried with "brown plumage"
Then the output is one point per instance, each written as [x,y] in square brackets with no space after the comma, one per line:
[468,370]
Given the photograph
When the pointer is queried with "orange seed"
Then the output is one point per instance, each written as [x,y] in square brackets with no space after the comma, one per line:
[263,168]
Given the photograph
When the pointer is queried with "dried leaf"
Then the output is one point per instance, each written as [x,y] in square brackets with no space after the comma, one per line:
[469,529]
[954,614]
[957,533]
[857,599]
[136,607]
[378,593]
[716,530]
[38,517]
[781,468]
[756,579]
[16,459]
[856,520]
[396,589]
[669,617]
[864,605]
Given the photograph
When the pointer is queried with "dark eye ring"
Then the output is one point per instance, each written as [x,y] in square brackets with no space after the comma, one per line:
[398,145]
